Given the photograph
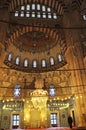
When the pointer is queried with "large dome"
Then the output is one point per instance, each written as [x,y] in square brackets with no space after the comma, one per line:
[34,41]
[42,63]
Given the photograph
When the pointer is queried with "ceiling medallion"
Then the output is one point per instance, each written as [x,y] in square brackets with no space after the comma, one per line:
[34,42]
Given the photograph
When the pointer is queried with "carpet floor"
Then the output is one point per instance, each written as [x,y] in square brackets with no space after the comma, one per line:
[54,128]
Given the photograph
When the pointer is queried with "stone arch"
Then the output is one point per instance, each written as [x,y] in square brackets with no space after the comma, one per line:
[56,5]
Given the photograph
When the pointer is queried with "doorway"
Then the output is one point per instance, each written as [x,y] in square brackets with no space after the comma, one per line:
[35,119]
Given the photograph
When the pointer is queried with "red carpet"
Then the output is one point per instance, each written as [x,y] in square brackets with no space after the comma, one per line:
[54,128]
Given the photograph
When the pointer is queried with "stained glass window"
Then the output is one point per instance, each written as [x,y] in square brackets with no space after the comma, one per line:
[17,91]
[52,90]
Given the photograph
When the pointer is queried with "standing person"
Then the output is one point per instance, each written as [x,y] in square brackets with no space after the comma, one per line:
[70,121]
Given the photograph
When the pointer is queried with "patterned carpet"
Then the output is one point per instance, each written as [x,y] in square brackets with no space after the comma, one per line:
[55,128]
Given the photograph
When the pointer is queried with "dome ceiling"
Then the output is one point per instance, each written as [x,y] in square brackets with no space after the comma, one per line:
[34,41]
[37,39]
[34,36]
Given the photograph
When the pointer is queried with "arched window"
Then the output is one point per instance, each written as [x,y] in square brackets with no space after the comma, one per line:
[51,61]
[16,14]
[52,90]
[17,91]
[27,7]
[33,6]
[25,63]
[22,14]
[36,10]
[60,57]
[84,17]
[34,64]
[17,61]
[38,7]
[10,57]
[43,63]
[22,7]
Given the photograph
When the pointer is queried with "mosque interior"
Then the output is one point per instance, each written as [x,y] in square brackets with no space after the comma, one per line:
[42,63]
